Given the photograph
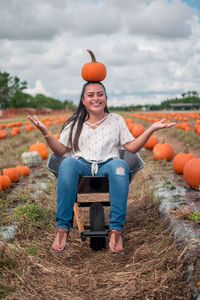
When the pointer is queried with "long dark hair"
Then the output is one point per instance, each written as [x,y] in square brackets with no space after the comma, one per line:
[79,116]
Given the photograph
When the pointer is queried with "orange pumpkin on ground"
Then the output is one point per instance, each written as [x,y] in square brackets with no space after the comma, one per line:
[41,148]
[2,125]
[191,172]
[180,160]
[30,127]
[137,130]
[5,181]
[23,170]
[3,134]
[12,173]
[93,71]
[163,151]
[15,131]
[152,141]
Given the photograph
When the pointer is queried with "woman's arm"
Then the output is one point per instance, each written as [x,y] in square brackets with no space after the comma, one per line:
[135,145]
[58,148]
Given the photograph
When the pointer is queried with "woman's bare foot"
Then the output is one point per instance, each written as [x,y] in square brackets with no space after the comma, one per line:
[60,240]
[115,243]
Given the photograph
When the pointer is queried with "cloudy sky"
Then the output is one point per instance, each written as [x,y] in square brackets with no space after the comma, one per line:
[151,48]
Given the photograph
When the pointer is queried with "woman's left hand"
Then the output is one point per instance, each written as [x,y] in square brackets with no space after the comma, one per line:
[161,124]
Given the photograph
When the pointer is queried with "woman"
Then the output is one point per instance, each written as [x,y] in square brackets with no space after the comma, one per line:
[91,140]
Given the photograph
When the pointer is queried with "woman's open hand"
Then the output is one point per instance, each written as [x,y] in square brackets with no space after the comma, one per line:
[34,119]
[161,124]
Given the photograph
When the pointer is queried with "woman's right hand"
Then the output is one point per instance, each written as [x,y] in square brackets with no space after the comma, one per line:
[34,119]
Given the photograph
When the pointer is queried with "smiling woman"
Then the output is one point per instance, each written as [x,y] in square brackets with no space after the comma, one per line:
[90,140]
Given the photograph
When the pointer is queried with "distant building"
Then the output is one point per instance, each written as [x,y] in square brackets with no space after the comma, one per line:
[185,106]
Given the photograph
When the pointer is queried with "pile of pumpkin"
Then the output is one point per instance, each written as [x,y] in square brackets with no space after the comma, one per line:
[12,175]
[48,121]
[37,152]
[184,163]
[184,124]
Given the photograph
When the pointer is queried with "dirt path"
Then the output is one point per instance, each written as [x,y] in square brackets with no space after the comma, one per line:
[152,267]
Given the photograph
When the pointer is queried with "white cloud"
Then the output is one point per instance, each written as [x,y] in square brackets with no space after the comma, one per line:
[38,89]
[162,19]
[150,48]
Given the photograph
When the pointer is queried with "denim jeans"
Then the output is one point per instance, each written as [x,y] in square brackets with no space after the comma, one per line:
[117,171]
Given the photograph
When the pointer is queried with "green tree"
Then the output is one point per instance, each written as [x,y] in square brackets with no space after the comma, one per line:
[21,99]
[9,86]
[69,105]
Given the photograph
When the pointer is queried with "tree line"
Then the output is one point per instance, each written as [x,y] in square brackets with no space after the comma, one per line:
[12,95]
[188,97]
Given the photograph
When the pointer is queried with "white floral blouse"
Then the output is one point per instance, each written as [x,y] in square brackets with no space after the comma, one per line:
[101,143]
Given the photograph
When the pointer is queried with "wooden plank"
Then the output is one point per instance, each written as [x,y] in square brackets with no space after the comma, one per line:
[78,218]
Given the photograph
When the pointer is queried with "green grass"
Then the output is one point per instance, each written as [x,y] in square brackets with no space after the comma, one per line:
[31,214]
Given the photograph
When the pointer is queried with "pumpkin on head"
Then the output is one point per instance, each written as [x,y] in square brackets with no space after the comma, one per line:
[93,71]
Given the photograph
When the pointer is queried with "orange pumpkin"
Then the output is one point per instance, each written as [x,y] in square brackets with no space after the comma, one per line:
[180,160]
[191,172]
[5,181]
[2,125]
[3,134]
[29,127]
[23,170]
[93,71]
[15,131]
[163,151]
[152,141]
[41,148]
[137,130]
[12,173]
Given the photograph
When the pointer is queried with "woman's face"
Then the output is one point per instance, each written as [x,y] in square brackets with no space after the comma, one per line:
[94,98]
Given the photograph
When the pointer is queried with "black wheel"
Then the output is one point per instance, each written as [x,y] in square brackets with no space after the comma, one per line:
[97,223]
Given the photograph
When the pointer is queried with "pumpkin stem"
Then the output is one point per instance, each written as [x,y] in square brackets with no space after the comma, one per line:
[92,56]
[187,148]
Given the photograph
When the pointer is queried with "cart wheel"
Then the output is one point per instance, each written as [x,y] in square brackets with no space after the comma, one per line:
[97,223]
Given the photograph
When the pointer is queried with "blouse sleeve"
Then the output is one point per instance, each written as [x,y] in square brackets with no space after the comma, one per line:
[63,139]
[125,135]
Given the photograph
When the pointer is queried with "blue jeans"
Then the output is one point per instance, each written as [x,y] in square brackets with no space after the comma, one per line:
[117,171]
